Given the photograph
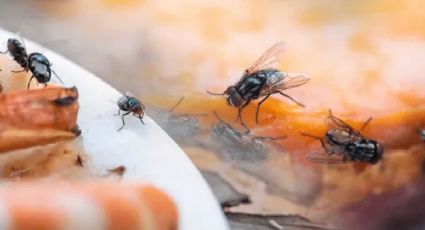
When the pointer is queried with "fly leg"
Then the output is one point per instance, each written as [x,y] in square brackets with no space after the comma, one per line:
[271,138]
[119,111]
[258,107]
[216,94]
[140,118]
[240,113]
[366,123]
[314,157]
[247,129]
[123,122]
[177,104]
[57,77]
[319,139]
[19,71]
[29,82]
[292,99]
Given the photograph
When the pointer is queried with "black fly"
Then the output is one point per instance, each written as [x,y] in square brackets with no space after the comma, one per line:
[37,63]
[263,79]
[347,143]
[130,104]
[248,146]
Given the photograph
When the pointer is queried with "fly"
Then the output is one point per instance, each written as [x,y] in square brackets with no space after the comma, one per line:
[37,63]
[130,104]
[347,143]
[262,80]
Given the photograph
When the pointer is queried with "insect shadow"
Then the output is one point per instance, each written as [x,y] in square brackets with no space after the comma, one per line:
[183,126]
[242,145]
[342,143]
[262,79]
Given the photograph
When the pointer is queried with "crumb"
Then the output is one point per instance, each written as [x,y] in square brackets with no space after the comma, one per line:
[79,161]
[118,170]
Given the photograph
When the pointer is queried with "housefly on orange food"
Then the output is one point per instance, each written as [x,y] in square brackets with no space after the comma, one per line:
[262,80]
[342,143]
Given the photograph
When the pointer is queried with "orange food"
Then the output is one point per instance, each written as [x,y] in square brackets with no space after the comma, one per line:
[37,117]
[395,128]
[95,205]
[40,108]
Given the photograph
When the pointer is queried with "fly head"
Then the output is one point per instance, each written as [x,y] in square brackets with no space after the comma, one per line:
[234,98]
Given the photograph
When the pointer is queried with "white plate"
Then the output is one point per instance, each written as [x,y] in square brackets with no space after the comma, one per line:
[147,152]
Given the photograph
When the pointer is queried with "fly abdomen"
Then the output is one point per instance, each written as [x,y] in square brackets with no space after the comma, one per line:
[123,103]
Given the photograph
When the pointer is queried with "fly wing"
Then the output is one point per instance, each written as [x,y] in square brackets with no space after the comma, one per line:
[129,94]
[283,82]
[267,60]
[324,158]
[337,124]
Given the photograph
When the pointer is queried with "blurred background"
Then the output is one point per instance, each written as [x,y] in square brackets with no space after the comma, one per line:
[365,58]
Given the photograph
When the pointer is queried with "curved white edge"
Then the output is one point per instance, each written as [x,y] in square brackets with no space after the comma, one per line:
[146,151]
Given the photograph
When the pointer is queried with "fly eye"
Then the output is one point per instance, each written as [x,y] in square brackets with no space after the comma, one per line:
[131,103]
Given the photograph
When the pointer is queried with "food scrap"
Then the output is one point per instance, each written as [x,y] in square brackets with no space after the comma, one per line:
[113,205]
[37,117]
[119,171]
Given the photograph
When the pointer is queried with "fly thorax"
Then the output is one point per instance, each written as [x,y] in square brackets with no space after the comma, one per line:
[379,152]
[368,147]
[39,68]
[134,105]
